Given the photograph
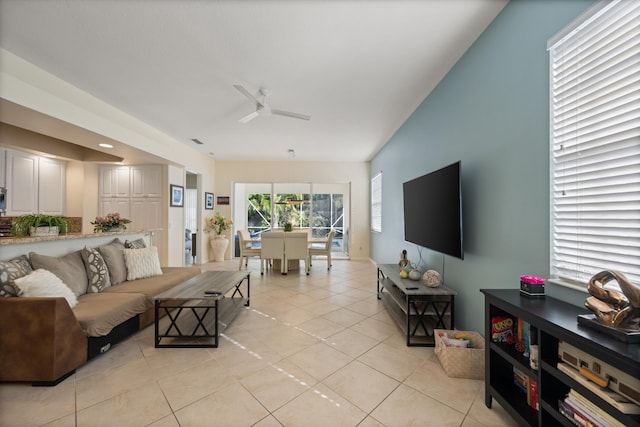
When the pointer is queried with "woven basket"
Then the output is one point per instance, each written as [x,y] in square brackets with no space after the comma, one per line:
[461,362]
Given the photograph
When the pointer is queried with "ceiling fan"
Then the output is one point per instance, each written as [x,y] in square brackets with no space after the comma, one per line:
[263,109]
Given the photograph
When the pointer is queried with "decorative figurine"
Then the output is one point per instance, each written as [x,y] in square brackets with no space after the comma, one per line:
[431,278]
[403,260]
[612,308]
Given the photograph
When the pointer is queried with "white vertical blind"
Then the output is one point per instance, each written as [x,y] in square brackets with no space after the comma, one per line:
[190,209]
[376,203]
[595,146]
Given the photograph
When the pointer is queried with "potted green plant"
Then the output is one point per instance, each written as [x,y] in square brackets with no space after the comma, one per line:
[39,225]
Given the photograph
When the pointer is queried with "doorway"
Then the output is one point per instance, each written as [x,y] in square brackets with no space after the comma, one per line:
[190,218]
[322,207]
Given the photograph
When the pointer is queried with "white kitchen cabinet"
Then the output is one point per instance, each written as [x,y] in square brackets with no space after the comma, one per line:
[114,181]
[22,183]
[3,167]
[120,205]
[146,181]
[34,184]
[146,213]
[139,200]
[51,186]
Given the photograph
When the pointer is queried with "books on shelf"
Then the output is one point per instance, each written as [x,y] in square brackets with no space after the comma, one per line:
[528,385]
[589,411]
[619,402]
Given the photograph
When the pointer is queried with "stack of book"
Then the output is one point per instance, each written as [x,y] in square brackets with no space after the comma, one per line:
[614,399]
[583,412]
[527,385]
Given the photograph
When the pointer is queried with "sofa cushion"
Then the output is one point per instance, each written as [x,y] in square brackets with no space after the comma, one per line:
[69,268]
[135,244]
[114,257]
[99,313]
[97,271]
[10,271]
[142,263]
[43,283]
[152,286]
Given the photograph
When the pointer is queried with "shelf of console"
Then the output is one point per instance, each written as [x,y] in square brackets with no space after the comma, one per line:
[416,308]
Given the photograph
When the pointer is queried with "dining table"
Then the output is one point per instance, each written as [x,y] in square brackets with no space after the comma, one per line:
[292,264]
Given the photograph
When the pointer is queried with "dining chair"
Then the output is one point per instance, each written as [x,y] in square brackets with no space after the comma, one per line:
[272,247]
[246,248]
[296,247]
[321,249]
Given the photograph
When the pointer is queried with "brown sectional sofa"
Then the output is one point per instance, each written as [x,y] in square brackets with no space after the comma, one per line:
[43,340]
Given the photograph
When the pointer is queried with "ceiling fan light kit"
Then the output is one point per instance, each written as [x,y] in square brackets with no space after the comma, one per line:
[263,109]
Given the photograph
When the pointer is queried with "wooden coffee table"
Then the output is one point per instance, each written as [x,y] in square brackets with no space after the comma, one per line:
[200,308]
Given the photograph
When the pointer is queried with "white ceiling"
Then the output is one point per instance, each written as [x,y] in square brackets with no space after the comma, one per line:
[358,68]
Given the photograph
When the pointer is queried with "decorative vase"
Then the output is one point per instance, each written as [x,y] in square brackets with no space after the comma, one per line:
[219,247]
[114,229]
[414,274]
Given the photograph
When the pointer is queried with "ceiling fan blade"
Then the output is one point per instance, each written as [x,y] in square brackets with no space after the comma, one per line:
[290,114]
[246,93]
[249,117]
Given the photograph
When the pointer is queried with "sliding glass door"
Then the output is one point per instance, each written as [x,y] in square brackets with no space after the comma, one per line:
[330,212]
[322,207]
[292,204]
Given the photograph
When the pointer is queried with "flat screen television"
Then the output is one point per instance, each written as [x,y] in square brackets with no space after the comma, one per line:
[433,211]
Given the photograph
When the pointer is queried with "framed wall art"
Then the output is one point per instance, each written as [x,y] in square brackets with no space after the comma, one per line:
[176,196]
[223,200]
[208,201]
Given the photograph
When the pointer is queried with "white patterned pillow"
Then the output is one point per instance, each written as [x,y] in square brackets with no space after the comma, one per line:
[97,271]
[43,283]
[11,270]
[142,263]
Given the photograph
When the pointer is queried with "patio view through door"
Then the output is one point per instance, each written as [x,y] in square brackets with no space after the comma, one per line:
[322,207]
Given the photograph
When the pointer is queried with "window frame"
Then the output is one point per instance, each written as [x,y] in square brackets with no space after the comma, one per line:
[588,236]
[376,203]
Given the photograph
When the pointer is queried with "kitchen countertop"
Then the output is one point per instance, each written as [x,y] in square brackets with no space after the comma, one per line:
[12,240]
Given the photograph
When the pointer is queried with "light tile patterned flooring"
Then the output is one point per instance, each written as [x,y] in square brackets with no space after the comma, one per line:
[317,350]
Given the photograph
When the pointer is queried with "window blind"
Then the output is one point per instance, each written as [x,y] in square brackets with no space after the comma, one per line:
[595,146]
[376,203]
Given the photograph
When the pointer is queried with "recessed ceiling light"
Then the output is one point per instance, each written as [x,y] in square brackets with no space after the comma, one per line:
[103,145]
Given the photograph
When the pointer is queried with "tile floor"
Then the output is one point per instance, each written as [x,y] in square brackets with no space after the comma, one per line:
[313,350]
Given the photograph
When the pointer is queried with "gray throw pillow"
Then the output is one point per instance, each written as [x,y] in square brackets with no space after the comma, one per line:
[10,271]
[135,244]
[69,268]
[97,272]
[113,254]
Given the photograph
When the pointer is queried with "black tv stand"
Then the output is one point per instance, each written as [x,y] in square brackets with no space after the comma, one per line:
[417,308]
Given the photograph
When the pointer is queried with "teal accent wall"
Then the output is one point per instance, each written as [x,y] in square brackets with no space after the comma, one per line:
[491,111]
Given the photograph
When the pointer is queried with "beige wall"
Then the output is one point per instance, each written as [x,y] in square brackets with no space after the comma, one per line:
[354,173]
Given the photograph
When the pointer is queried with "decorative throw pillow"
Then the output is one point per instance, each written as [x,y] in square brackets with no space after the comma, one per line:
[135,244]
[113,256]
[142,263]
[43,283]
[69,268]
[97,272]
[10,271]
